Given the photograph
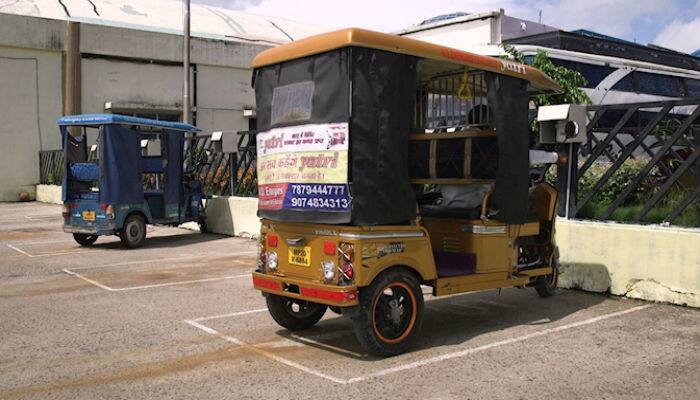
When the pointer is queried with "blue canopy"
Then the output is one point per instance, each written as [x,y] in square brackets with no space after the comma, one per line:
[106,119]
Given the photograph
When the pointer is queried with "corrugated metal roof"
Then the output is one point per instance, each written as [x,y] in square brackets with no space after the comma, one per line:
[166,16]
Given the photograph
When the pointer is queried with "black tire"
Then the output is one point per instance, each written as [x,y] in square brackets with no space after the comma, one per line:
[391,314]
[546,285]
[133,234]
[85,240]
[336,310]
[203,225]
[293,314]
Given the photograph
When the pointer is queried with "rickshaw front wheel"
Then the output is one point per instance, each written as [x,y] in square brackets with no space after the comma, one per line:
[84,240]
[546,285]
[293,314]
[391,314]
[133,234]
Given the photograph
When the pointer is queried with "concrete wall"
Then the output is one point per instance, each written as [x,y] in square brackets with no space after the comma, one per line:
[122,82]
[646,262]
[467,34]
[222,93]
[30,102]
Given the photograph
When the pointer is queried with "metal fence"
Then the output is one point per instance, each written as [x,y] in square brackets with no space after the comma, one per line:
[640,164]
[226,174]
[51,167]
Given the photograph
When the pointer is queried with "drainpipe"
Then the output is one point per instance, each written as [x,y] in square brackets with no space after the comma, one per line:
[186,111]
[71,72]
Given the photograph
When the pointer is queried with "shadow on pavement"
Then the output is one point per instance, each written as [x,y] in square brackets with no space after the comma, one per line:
[457,319]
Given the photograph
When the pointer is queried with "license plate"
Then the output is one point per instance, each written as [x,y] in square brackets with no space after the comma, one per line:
[88,215]
[300,256]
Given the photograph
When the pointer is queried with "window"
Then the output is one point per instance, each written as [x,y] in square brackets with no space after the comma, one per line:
[662,85]
[692,87]
[648,83]
[594,74]
[291,103]
[625,84]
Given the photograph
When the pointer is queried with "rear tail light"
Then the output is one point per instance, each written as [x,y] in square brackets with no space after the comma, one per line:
[346,253]
[110,211]
[103,207]
[262,258]
[329,248]
[66,210]
[273,240]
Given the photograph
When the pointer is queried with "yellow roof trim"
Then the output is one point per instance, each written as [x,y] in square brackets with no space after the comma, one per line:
[398,44]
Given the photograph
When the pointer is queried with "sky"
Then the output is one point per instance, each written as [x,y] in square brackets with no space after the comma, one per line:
[669,23]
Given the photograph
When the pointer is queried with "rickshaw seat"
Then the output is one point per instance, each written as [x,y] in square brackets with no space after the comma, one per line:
[84,171]
[152,192]
[450,212]
[86,196]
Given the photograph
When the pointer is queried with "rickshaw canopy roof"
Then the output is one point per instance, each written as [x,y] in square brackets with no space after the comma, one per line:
[355,37]
[94,120]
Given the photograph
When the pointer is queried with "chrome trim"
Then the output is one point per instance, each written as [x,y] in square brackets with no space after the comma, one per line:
[296,242]
[381,235]
[483,229]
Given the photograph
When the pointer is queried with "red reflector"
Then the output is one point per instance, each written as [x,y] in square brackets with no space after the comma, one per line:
[74,205]
[273,240]
[329,248]
[347,269]
[266,283]
[103,207]
[328,295]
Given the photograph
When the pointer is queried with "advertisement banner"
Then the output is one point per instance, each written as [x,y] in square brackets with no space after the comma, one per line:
[304,167]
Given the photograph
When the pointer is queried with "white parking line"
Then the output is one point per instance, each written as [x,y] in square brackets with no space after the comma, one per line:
[50,254]
[412,365]
[235,314]
[180,258]
[19,250]
[111,289]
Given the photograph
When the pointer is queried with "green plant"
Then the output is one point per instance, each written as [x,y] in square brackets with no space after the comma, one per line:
[571,81]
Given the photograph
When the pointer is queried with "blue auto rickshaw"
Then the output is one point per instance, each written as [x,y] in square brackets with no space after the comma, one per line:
[131,176]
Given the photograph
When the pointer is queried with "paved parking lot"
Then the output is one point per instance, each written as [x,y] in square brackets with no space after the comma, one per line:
[179,319]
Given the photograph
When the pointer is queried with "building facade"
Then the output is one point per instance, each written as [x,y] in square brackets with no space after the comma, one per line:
[120,56]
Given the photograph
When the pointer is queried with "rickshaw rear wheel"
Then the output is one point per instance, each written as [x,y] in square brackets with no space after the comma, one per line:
[85,240]
[391,313]
[203,225]
[293,314]
[546,285]
[133,234]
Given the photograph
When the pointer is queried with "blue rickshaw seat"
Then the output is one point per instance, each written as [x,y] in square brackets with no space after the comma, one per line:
[84,171]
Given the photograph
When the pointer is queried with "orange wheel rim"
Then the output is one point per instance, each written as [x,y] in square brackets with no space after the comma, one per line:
[412,321]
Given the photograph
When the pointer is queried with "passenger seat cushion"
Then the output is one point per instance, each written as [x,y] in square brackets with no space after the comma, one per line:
[84,171]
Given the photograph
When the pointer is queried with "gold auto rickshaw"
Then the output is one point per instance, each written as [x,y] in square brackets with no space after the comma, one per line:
[386,163]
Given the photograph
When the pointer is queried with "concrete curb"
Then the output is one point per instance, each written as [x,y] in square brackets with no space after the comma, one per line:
[49,194]
[652,263]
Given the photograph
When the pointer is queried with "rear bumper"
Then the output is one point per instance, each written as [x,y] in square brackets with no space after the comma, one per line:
[340,296]
[88,230]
